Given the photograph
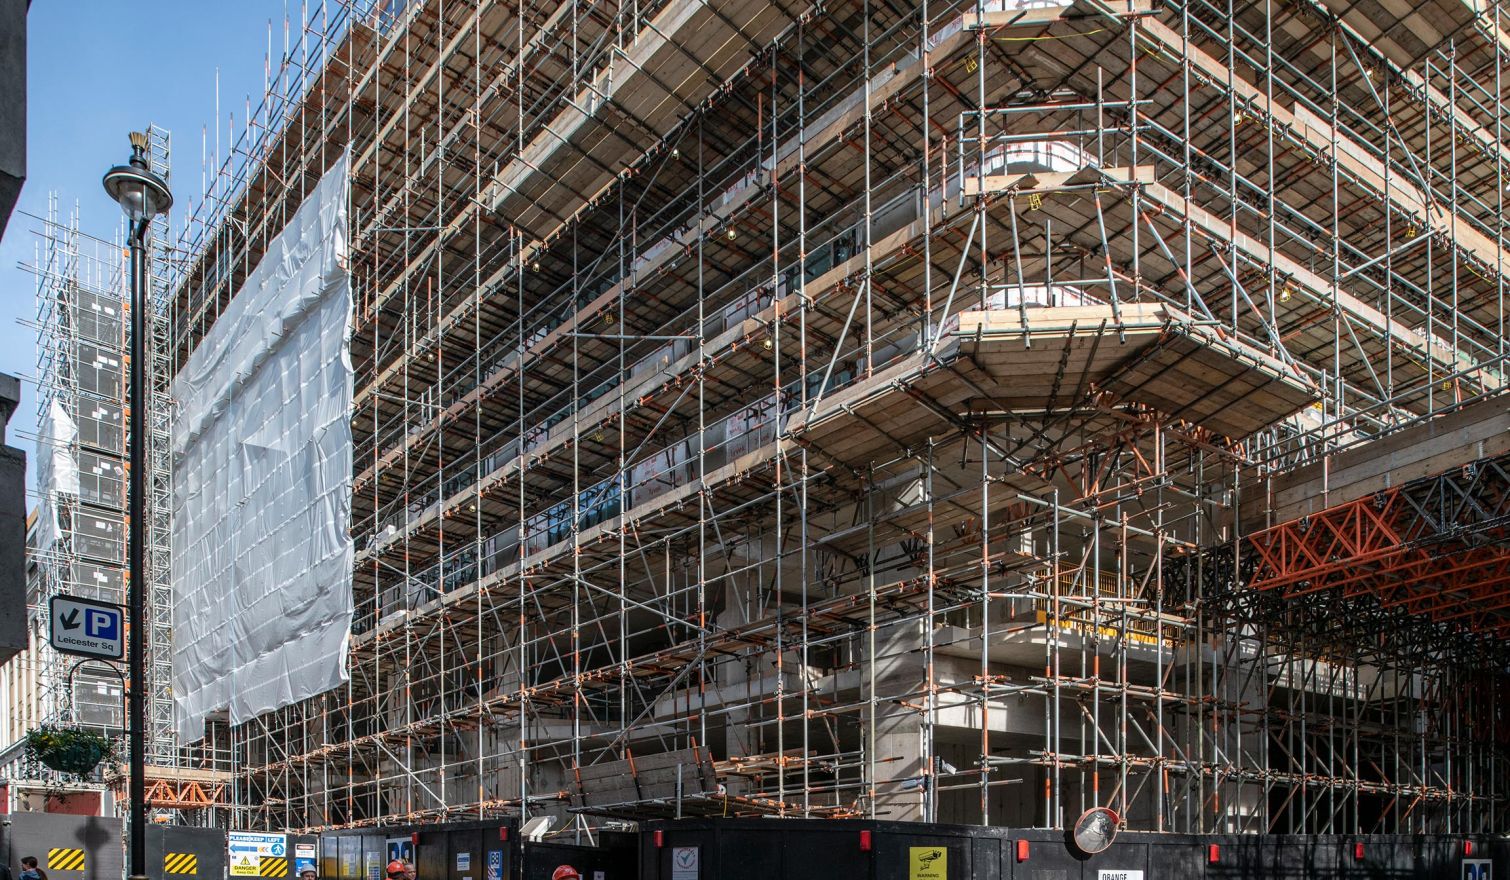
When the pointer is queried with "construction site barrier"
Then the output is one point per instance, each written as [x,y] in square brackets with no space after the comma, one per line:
[70,847]
[757,849]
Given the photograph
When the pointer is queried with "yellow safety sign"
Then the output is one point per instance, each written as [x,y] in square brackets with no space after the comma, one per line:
[180,863]
[64,859]
[927,863]
[272,866]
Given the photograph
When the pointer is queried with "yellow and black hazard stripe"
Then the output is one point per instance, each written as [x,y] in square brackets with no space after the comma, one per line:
[180,863]
[65,859]
[272,866]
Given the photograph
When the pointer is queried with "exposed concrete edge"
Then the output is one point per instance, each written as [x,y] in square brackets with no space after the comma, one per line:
[1476,431]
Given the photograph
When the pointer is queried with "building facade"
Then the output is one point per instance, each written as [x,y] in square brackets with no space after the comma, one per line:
[968,412]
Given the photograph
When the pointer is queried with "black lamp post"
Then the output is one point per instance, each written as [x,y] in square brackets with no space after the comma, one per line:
[142,195]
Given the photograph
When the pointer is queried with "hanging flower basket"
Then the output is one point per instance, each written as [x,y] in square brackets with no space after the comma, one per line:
[71,751]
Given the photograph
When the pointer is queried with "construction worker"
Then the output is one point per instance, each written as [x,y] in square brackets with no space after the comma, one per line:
[566,872]
[400,870]
[308,873]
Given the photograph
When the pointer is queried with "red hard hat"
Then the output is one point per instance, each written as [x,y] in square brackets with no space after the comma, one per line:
[397,867]
[566,872]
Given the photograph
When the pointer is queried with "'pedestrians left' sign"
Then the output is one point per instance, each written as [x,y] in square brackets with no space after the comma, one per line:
[88,628]
[257,855]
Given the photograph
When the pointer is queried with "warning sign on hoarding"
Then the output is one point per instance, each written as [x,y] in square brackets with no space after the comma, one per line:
[927,863]
[304,859]
[248,850]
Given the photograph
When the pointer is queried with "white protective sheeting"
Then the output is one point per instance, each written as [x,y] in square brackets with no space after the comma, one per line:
[262,554]
[57,472]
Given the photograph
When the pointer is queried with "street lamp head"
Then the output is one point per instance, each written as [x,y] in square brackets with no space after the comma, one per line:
[140,193]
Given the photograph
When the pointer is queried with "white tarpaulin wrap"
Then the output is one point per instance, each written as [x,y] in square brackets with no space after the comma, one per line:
[57,474]
[262,481]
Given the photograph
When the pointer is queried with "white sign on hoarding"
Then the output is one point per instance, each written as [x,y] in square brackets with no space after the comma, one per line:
[684,863]
[248,849]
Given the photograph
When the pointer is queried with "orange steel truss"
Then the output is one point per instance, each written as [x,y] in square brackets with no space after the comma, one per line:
[176,795]
[1438,547]
[178,788]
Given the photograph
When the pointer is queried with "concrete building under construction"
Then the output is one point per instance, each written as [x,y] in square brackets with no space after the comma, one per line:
[954,411]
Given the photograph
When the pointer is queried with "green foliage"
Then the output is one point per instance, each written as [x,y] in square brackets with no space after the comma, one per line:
[72,751]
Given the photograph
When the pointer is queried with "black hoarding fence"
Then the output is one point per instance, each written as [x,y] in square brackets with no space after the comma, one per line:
[615,857]
[71,847]
[1417,857]
[180,853]
[67,847]
[303,854]
[479,850]
[363,854]
[797,849]
[352,855]
[542,860]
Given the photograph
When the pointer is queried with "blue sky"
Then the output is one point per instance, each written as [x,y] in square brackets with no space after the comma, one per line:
[96,70]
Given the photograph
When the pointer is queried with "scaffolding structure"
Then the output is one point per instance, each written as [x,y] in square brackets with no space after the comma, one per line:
[83,316]
[888,409]
[80,539]
[162,744]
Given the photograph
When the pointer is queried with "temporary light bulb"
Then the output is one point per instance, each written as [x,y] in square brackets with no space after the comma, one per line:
[731,233]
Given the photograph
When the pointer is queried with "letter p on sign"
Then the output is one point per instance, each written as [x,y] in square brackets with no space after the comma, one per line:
[101,624]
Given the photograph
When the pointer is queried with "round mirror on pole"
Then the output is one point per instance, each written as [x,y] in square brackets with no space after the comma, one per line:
[1095,830]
